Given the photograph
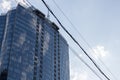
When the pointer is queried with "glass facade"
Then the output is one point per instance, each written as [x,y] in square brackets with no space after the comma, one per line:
[31,47]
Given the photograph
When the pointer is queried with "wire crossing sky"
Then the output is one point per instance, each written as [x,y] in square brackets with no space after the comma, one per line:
[98,21]
[80,35]
[76,42]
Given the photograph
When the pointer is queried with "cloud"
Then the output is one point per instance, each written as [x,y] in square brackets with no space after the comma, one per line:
[75,75]
[99,51]
[5,5]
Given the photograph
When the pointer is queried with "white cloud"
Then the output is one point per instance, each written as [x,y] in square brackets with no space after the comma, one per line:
[5,5]
[99,51]
[75,75]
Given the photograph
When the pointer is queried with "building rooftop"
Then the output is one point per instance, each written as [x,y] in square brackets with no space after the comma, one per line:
[35,11]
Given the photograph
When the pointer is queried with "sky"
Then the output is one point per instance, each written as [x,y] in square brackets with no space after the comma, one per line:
[98,21]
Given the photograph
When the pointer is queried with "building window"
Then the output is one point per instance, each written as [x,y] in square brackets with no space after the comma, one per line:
[3,75]
[34,78]
[54,58]
[58,78]
[37,26]
[54,62]
[40,76]
[40,71]
[37,30]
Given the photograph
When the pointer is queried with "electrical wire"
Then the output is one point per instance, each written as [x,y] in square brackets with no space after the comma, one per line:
[83,38]
[76,41]
[108,69]
[29,4]
[76,54]
[64,15]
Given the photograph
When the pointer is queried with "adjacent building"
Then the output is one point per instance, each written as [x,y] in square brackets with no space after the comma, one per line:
[31,47]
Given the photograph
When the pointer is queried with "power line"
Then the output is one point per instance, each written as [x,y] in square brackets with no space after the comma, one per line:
[76,54]
[28,3]
[83,38]
[61,24]
[75,41]
[108,69]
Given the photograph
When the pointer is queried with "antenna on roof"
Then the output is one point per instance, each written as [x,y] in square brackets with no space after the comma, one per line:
[48,15]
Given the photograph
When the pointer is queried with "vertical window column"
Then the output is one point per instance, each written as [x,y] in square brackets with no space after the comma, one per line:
[58,58]
[41,52]
[36,51]
[55,58]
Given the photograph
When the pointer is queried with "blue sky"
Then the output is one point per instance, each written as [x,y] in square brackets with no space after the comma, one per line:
[99,22]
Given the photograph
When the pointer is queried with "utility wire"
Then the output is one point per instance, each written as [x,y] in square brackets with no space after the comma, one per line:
[75,41]
[76,54]
[67,19]
[83,38]
[28,3]
[115,78]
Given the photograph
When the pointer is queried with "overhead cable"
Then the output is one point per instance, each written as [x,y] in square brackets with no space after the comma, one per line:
[83,38]
[76,54]
[76,41]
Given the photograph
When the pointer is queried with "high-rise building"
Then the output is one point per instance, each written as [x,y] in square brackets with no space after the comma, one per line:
[31,47]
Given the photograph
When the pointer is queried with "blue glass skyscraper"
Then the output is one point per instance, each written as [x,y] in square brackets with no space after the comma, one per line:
[31,47]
